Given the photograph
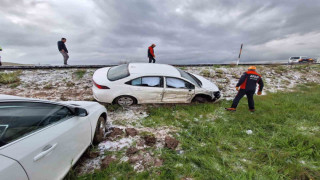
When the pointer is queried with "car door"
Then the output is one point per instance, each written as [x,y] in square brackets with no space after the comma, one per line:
[177,91]
[46,139]
[147,89]
[11,169]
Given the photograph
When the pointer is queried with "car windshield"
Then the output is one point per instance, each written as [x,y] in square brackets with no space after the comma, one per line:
[118,72]
[190,77]
[294,58]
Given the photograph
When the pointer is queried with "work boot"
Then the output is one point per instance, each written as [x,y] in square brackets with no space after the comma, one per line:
[252,110]
[231,109]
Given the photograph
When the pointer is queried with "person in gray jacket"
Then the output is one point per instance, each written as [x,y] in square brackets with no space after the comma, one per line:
[63,50]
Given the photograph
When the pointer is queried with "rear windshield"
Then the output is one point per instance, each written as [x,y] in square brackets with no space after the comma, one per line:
[118,72]
[190,77]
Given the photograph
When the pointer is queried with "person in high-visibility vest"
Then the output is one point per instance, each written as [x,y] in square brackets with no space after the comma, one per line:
[247,86]
[0,56]
[151,55]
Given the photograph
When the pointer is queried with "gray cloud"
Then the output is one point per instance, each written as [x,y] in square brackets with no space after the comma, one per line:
[193,31]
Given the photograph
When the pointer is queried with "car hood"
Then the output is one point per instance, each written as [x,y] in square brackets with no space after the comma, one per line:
[206,84]
[88,105]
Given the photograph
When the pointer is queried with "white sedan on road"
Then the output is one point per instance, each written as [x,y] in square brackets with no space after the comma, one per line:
[138,83]
[41,140]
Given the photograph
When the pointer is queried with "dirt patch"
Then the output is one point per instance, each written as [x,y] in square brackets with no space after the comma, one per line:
[158,162]
[131,132]
[135,158]
[171,143]
[115,132]
[131,151]
[106,161]
[93,154]
[150,140]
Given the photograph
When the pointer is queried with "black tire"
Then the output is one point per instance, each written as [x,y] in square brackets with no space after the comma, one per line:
[100,132]
[125,101]
[200,99]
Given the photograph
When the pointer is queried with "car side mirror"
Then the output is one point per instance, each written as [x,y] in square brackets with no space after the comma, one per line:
[80,112]
[191,86]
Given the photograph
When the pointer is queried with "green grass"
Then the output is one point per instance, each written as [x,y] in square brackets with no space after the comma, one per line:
[80,73]
[285,143]
[10,78]
[48,86]
[206,73]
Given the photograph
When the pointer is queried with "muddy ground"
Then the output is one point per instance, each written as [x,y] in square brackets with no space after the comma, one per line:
[67,84]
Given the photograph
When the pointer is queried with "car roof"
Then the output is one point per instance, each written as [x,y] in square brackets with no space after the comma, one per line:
[9,97]
[149,69]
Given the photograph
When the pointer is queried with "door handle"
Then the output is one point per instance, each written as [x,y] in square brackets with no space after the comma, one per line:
[46,150]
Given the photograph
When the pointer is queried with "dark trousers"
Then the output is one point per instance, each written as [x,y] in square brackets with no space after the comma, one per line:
[240,95]
[151,59]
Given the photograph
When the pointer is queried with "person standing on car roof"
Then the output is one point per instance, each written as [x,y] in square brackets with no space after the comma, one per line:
[247,86]
[63,50]
[151,53]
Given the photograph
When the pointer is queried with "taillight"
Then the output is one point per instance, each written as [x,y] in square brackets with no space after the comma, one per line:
[100,86]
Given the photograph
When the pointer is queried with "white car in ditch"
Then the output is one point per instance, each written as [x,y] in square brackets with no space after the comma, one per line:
[138,83]
[43,139]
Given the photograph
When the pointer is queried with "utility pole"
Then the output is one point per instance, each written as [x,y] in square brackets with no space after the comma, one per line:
[0,56]
[239,54]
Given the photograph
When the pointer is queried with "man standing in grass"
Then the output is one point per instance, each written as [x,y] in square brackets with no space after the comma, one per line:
[63,50]
[151,54]
[247,84]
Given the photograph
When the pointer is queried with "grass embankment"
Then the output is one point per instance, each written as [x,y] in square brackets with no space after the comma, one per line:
[11,78]
[284,144]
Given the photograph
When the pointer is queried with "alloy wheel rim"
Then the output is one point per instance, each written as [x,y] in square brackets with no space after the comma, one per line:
[125,101]
[102,128]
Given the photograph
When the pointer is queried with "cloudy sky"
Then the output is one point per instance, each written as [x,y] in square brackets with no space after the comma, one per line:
[185,31]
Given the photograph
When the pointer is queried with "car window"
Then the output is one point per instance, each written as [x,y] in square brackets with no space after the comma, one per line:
[18,119]
[147,82]
[190,77]
[118,72]
[178,83]
[294,58]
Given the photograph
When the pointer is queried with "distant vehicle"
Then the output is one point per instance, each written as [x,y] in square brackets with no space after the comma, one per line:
[301,59]
[138,83]
[43,139]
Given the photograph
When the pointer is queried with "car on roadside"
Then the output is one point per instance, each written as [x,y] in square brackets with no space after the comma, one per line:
[138,83]
[301,59]
[42,139]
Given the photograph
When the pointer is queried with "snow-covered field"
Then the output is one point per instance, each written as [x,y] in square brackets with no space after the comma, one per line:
[65,84]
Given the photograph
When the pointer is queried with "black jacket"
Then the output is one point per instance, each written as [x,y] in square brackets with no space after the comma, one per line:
[62,46]
[249,80]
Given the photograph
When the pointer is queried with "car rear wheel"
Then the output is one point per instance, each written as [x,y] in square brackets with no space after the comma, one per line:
[125,101]
[100,131]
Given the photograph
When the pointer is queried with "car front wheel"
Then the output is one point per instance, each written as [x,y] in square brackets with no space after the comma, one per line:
[199,99]
[100,131]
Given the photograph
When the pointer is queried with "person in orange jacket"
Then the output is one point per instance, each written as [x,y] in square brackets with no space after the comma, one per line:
[151,54]
[247,86]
